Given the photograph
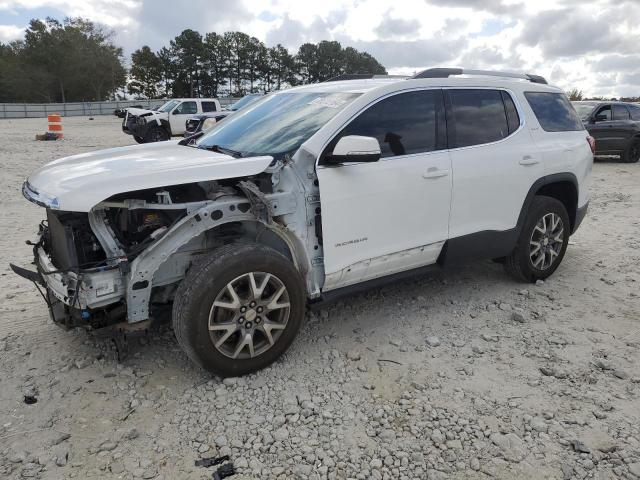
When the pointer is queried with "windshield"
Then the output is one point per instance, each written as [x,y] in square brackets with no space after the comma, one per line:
[583,109]
[168,106]
[277,125]
[243,102]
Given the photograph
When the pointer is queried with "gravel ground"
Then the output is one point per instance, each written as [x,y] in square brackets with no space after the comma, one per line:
[463,374]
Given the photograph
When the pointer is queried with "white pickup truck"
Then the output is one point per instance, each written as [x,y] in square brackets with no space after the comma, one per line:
[167,121]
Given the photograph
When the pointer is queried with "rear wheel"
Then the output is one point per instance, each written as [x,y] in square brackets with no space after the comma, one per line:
[156,134]
[542,242]
[239,309]
[632,153]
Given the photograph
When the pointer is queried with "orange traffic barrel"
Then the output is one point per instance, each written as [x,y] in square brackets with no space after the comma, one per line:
[55,124]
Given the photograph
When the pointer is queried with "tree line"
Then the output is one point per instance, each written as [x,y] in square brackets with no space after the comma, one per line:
[235,63]
[577,95]
[76,60]
[68,61]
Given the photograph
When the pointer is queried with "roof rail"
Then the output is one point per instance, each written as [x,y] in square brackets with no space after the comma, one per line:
[447,72]
[361,76]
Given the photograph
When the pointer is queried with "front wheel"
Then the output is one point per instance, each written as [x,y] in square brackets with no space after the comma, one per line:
[156,134]
[632,152]
[138,139]
[239,309]
[543,241]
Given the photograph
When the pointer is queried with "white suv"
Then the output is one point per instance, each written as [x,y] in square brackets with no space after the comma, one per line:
[167,120]
[315,192]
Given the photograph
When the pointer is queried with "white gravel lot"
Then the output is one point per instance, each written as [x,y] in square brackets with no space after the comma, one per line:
[432,378]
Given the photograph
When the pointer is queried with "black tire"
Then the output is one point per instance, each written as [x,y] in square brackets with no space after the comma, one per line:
[156,134]
[632,152]
[138,139]
[204,283]
[519,263]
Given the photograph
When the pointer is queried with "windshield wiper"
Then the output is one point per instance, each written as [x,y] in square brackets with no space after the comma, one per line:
[218,148]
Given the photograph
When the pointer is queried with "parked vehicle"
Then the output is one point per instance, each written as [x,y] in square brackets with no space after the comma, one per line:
[204,121]
[614,125]
[315,192]
[121,112]
[167,121]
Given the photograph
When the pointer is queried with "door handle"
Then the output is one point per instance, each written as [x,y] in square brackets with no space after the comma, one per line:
[434,172]
[528,160]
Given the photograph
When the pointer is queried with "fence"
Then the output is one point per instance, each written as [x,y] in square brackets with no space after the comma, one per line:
[37,110]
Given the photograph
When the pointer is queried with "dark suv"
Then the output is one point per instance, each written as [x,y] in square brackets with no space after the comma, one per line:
[614,125]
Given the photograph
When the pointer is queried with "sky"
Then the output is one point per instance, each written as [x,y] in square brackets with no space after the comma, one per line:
[592,45]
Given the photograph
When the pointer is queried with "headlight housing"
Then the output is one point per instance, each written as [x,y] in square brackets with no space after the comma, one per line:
[208,123]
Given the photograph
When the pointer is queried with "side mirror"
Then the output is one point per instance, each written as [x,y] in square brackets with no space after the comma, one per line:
[354,149]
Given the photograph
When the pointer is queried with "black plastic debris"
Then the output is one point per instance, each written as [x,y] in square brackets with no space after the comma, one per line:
[30,399]
[224,471]
[211,461]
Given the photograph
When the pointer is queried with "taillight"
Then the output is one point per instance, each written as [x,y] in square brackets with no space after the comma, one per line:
[592,143]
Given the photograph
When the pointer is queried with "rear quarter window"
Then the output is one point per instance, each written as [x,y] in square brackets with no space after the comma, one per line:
[554,112]
[634,110]
[208,106]
[479,116]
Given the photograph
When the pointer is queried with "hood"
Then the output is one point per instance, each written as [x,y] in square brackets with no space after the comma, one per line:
[80,182]
[141,111]
[217,114]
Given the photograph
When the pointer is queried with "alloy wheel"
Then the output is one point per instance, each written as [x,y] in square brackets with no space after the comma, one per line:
[546,241]
[249,315]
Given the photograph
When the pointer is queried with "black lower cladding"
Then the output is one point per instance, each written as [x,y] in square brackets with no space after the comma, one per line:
[70,242]
[580,214]
[480,245]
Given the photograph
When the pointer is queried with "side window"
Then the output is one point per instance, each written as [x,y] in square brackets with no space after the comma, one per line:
[620,112]
[479,116]
[513,120]
[403,124]
[208,106]
[604,114]
[186,108]
[635,111]
[554,112]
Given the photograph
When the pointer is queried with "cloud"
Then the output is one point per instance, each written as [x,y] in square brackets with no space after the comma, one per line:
[8,33]
[499,7]
[587,45]
[160,21]
[570,32]
[292,32]
[112,13]
[412,54]
[397,27]
[616,62]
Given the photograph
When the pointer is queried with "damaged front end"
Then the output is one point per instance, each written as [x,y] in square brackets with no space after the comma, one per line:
[117,263]
[139,123]
[81,285]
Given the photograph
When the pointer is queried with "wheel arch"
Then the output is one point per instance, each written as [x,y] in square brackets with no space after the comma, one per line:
[562,187]
[166,125]
[256,231]
[206,221]
[497,244]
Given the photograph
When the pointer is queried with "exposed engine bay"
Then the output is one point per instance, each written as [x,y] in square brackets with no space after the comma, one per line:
[125,258]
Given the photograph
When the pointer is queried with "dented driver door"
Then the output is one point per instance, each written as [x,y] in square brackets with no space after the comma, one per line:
[392,215]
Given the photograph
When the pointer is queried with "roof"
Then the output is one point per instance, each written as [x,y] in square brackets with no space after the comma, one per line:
[183,99]
[365,85]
